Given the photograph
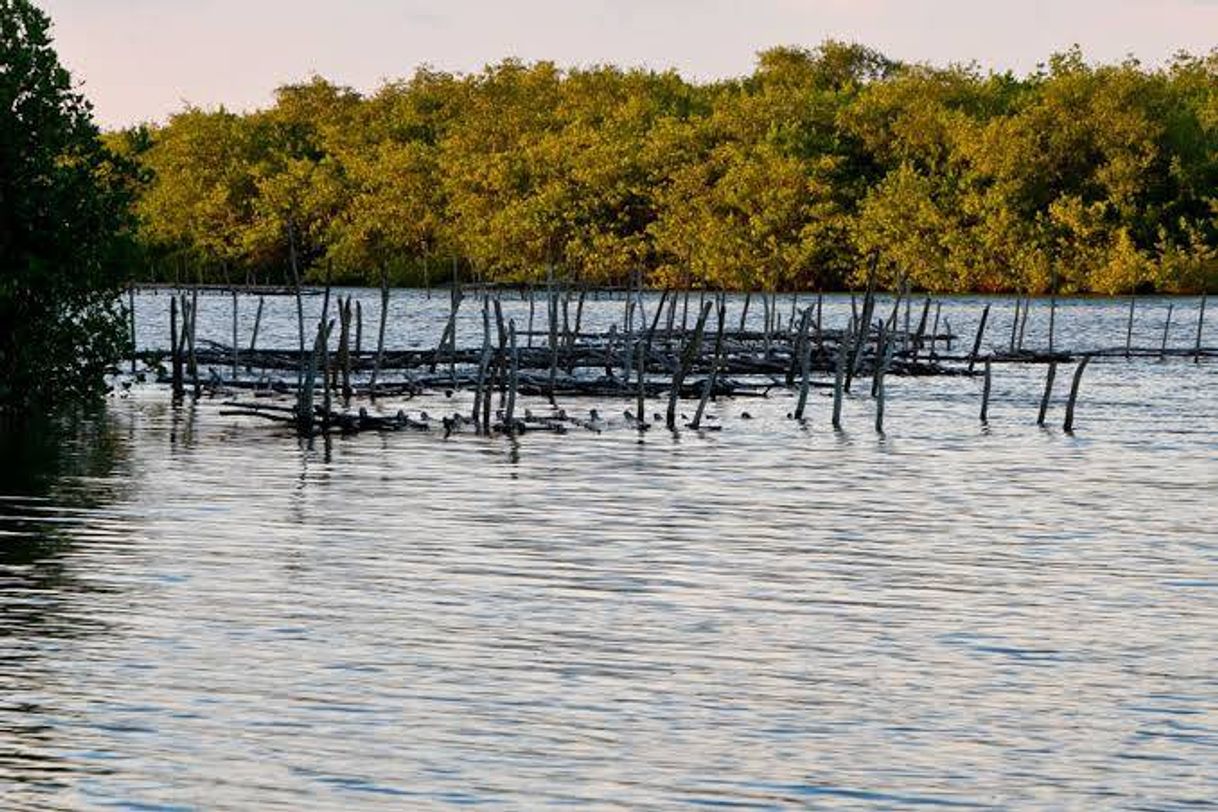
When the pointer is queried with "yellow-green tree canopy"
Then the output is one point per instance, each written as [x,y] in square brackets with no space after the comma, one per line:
[1077,177]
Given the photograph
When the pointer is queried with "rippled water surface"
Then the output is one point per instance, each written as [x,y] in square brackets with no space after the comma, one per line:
[199,612]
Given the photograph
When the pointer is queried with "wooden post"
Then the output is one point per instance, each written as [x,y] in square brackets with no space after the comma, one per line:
[483,362]
[193,366]
[934,331]
[882,356]
[344,348]
[490,356]
[1023,321]
[380,338]
[714,371]
[972,358]
[131,309]
[175,348]
[1068,425]
[532,307]
[257,324]
[235,350]
[882,335]
[300,325]
[641,393]
[359,327]
[1052,319]
[985,395]
[1200,326]
[553,307]
[509,414]
[687,361]
[1044,399]
[1166,329]
[805,361]
[744,312]
[838,380]
[304,403]
[1015,323]
[325,360]
[1133,301]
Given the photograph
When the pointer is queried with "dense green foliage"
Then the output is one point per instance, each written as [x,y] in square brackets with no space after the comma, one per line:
[821,164]
[64,206]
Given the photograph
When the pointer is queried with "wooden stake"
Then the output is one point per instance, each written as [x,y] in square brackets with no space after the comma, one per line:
[1133,301]
[842,350]
[972,358]
[1068,425]
[687,361]
[509,414]
[1044,399]
[175,348]
[714,370]
[257,324]
[380,339]
[1200,327]
[131,309]
[1166,329]
[235,350]
[985,395]
[805,360]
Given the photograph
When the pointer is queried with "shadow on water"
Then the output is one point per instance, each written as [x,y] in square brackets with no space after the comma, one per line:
[55,477]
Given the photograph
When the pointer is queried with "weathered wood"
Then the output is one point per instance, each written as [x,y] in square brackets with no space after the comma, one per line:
[687,361]
[131,314]
[972,358]
[838,381]
[805,360]
[175,349]
[257,324]
[1200,328]
[1133,301]
[1023,322]
[1015,323]
[380,338]
[714,370]
[509,413]
[235,345]
[1166,330]
[985,395]
[1048,393]
[1068,424]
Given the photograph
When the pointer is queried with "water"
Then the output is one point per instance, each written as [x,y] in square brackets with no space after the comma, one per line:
[198,612]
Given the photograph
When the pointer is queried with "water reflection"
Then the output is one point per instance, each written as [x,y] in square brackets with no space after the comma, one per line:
[56,485]
[202,612]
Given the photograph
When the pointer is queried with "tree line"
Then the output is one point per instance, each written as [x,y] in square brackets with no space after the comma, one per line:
[821,168]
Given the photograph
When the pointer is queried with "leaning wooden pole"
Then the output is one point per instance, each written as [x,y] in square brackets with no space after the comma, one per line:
[1048,393]
[1166,330]
[688,357]
[1068,425]
[714,370]
[972,357]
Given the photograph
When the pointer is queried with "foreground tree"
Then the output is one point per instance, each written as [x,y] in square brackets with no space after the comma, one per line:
[63,227]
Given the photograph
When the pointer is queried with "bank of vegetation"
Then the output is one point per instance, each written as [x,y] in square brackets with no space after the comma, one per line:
[1077,177]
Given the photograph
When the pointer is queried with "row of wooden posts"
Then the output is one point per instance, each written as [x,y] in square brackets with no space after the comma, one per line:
[498,365]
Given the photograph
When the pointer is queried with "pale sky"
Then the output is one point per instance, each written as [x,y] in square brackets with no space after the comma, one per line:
[143,59]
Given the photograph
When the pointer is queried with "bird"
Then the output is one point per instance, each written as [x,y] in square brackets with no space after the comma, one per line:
[745,416]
